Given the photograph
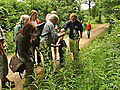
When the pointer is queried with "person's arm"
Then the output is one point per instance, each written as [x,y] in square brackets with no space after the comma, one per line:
[90,26]
[64,43]
[79,29]
[16,31]
[56,36]
[65,27]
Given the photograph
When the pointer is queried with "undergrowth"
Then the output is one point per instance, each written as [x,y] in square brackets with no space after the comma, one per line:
[97,67]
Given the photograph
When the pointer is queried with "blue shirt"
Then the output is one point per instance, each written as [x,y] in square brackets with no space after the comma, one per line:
[74,29]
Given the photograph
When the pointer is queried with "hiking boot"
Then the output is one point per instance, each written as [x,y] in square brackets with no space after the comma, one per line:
[10,85]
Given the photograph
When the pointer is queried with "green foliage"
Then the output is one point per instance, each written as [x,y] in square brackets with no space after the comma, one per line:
[97,69]
[102,58]
[10,43]
[13,10]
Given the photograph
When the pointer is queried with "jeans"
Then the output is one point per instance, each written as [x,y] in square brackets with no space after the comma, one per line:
[88,33]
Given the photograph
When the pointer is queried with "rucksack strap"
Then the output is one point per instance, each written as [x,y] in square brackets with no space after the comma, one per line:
[20,75]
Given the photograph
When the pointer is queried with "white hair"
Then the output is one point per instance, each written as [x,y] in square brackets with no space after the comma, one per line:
[53,17]
[47,17]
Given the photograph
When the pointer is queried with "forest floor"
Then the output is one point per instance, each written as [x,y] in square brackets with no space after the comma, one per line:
[98,29]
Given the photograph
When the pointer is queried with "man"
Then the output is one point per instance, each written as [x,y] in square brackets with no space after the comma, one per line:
[56,28]
[49,36]
[74,35]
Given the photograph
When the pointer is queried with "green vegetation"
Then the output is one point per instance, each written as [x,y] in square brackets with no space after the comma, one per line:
[103,11]
[97,68]
[99,62]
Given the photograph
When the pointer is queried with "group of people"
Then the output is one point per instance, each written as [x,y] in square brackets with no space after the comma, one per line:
[26,34]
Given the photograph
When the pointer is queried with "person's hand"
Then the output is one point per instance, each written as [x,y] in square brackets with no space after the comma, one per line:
[78,38]
[62,30]
[61,34]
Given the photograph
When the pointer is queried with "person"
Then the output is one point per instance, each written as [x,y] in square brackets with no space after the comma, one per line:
[4,63]
[33,19]
[81,32]
[23,19]
[23,49]
[62,45]
[49,36]
[56,28]
[74,35]
[88,29]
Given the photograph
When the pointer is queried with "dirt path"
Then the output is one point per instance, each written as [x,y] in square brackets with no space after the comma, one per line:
[94,33]
[84,41]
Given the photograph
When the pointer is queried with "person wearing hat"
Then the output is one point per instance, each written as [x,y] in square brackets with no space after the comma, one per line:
[74,34]
[4,63]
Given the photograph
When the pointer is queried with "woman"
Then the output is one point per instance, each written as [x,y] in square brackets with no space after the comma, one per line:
[33,18]
[23,49]
[23,20]
[35,22]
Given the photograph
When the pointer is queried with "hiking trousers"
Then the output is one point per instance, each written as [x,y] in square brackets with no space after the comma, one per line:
[29,72]
[74,47]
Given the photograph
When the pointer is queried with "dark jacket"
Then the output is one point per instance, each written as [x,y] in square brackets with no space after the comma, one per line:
[74,29]
[23,46]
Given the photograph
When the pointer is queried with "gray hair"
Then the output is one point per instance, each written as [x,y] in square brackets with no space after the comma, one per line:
[53,17]
[24,18]
[47,17]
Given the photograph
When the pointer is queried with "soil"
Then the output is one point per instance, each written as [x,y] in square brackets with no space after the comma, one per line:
[99,28]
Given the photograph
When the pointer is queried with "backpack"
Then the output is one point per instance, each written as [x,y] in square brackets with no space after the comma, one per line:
[38,34]
[16,65]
